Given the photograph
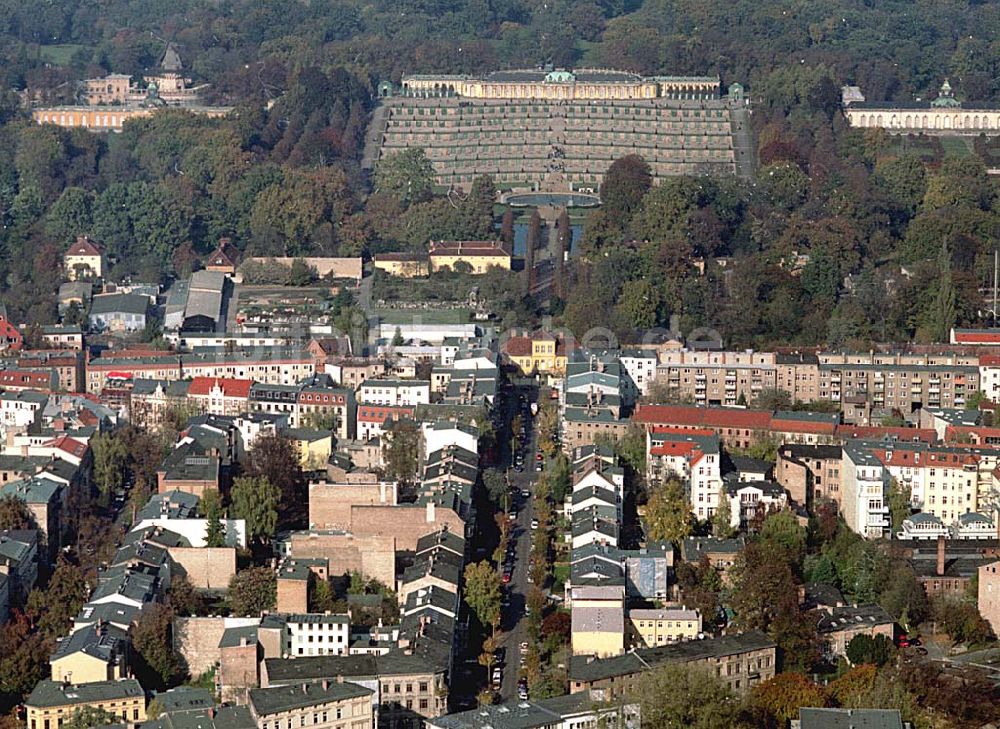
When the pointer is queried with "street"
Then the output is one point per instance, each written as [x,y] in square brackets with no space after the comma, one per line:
[512,617]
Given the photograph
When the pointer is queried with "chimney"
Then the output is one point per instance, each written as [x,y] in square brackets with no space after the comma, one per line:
[211,712]
[940,556]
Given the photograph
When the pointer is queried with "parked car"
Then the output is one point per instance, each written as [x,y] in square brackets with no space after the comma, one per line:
[534,523]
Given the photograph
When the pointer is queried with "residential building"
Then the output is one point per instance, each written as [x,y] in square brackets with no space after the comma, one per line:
[397,393]
[224,259]
[93,654]
[325,705]
[572,711]
[19,562]
[648,628]
[839,625]
[479,255]
[53,703]
[118,313]
[752,500]
[539,351]
[865,486]
[988,596]
[741,661]
[694,456]
[403,265]
[598,620]
[220,396]
[848,719]
[84,259]
[809,473]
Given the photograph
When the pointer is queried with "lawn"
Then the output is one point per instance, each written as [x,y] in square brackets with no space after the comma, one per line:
[58,55]
[956,146]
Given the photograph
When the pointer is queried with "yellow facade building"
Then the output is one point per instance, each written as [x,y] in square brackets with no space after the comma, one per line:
[479,255]
[84,259]
[650,628]
[313,446]
[53,703]
[598,620]
[404,265]
[537,352]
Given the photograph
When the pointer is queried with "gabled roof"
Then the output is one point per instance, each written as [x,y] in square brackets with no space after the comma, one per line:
[231,387]
[84,246]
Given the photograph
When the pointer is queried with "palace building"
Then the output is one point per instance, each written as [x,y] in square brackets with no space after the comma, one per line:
[943,115]
[561,130]
[106,103]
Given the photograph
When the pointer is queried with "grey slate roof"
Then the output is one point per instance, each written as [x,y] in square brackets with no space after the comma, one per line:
[847,617]
[810,718]
[104,644]
[644,659]
[55,693]
[119,303]
[286,698]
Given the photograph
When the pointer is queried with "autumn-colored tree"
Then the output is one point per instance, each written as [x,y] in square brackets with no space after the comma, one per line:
[779,698]
[668,514]
[24,657]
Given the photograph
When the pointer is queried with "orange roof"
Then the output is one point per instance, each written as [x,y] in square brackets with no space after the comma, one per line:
[225,255]
[973,336]
[231,387]
[803,426]
[989,360]
[381,413]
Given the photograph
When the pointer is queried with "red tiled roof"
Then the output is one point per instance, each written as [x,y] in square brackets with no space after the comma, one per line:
[977,335]
[26,379]
[469,248]
[67,445]
[84,246]
[989,360]
[381,413]
[803,426]
[517,347]
[231,387]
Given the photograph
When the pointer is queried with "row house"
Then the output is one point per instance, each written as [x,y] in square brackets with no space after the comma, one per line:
[695,457]
[219,396]
[373,418]
[67,366]
[308,405]
[395,392]
[865,484]
[717,378]
[272,365]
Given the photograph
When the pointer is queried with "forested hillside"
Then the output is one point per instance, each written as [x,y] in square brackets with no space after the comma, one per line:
[899,233]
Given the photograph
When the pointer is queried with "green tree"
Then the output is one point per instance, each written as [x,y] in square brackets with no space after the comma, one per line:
[496,486]
[899,504]
[52,610]
[321,597]
[782,529]
[397,338]
[91,716]
[182,597]
[626,182]
[942,314]
[684,696]
[70,215]
[402,453]
[863,648]
[721,526]
[110,460]
[274,459]
[255,499]
[211,509]
[668,515]
[903,597]
[15,514]
[151,640]
[482,592]
[407,175]
[252,591]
